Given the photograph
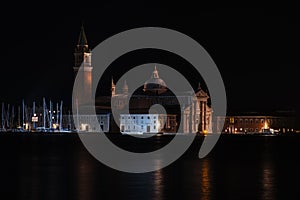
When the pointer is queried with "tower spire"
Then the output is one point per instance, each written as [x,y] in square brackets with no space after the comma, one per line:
[112,82]
[155,73]
[82,41]
[199,86]
[125,88]
[113,87]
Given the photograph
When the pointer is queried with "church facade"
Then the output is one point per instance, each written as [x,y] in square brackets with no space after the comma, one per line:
[195,115]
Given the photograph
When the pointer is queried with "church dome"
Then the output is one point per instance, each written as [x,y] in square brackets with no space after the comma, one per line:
[155,84]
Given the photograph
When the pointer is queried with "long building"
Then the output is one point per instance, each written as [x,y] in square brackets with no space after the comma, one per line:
[254,122]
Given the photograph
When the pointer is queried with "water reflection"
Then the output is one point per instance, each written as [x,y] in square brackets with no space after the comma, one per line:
[29,179]
[84,173]
[158,185]
[35,183]
[58,169]
[205,180]
[200,186]
[268,182]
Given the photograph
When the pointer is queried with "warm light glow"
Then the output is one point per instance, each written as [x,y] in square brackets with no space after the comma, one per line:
[205,180]
[84,127]
[34,119]
[266,125]
[205,132]
[158,125]
[26,126]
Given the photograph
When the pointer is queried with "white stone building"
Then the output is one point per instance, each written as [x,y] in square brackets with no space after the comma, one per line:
[147,123]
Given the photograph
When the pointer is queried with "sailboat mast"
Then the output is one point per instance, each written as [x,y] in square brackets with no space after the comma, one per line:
[57,114]
[2,115]
[33,113]
[69,120]
[26,118]
[23,114]
[44,114]
[7,116]
[12,116]
[77,115]
[61,114]
[50,117]
[19,116]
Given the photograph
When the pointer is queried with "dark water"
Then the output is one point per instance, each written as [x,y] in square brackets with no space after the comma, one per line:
[239,167]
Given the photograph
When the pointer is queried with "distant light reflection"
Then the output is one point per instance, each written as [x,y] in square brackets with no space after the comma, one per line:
[268,185]
[84,174]
[158,183]
[205,180]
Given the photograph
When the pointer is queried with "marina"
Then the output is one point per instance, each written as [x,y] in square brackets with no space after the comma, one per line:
[36,118]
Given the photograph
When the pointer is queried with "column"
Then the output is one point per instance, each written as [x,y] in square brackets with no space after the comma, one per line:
[204,117]
[200,118]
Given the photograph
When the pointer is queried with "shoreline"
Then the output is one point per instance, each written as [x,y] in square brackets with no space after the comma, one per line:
[152,135]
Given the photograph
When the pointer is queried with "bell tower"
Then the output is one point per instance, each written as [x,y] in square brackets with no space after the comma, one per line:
[113,88]
[83,68]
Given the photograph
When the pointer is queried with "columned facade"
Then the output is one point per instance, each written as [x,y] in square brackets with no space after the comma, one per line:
[195,114]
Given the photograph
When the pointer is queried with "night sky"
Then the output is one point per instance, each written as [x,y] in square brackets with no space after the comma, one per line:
[255,49]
